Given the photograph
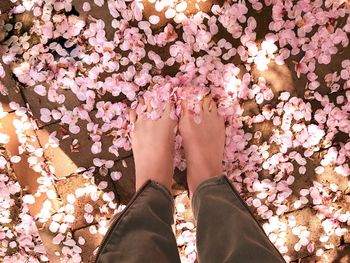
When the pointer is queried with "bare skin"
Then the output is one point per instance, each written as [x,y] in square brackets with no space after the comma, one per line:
[203,143]
[153,145]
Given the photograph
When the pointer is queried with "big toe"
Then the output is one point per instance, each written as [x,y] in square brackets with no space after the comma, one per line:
[184,107]
[168,107]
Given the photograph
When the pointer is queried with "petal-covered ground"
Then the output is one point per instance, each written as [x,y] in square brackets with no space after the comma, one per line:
[71,70]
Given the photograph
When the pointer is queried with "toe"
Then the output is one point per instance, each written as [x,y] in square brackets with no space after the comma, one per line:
[185,111]
[213,107]
[201,103]
[149,106]
[168,107]
[206,104]
[132,115]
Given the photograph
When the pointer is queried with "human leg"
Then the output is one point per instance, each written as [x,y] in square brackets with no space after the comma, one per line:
[142,232]
[226,229]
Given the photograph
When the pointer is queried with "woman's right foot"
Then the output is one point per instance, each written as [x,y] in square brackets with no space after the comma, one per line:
[203,143]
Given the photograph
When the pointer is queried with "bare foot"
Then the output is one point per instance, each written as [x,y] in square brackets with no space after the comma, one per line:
[153,143]
[203,143]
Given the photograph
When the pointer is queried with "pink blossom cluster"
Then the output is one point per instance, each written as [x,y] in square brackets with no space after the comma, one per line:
[18,231]
[185,229]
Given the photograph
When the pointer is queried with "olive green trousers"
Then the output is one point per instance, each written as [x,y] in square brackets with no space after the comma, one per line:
[226,229]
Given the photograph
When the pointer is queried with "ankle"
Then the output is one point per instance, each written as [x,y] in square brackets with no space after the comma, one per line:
[164,178]
[198,176]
